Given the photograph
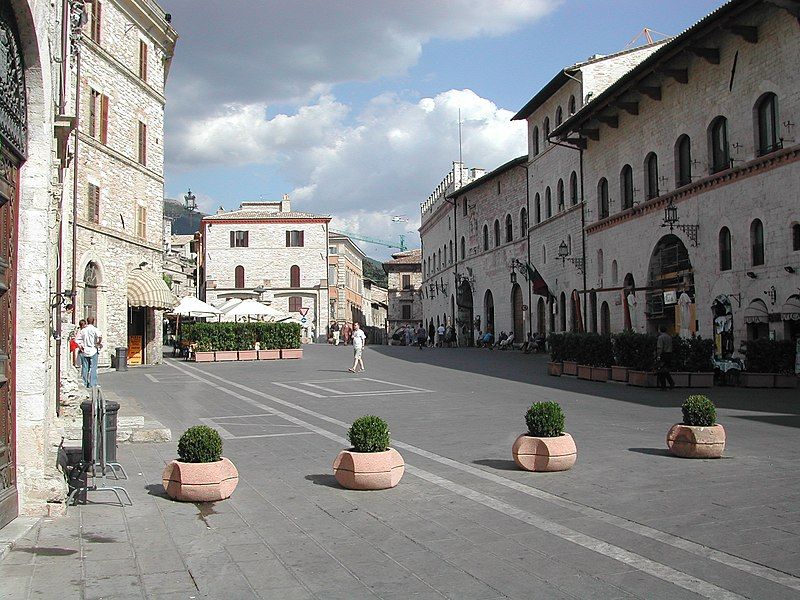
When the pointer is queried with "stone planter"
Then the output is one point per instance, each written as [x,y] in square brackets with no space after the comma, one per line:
[570,367]
[368,470]
[544,453]
[785,381]
[204,356]
[703,379]
[619,373]
[269,354]
[226,355]
[584,372]
[681,378]
[757,380]
[690,441]
[601,373]
[555,368]
[641,378]
[291,353]
[248,354]
[200,482]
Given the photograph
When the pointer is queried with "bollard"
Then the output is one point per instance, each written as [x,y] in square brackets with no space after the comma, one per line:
[112,408]
[122,358]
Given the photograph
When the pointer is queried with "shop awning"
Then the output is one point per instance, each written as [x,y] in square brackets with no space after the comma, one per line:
[146,288]
[756,312]
[791,309]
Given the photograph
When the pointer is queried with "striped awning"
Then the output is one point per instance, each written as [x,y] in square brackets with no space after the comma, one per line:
[146,288]
[791,309]
[756,313]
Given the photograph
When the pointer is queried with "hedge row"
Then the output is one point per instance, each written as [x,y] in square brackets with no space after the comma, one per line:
[242,336]
[770,356]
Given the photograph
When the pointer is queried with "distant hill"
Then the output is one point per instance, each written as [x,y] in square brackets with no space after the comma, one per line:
[184,221]
[373,269]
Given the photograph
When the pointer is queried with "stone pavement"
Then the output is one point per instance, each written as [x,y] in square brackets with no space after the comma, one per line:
[628,521]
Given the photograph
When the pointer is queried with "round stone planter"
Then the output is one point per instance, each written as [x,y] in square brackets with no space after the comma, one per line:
[368,470]
[544,453]
[200,482]
[691,441]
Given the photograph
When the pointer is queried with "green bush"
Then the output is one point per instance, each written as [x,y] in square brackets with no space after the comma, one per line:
[556,343]
[242,336]
[200,444]
[769,356]
[545,419]
[592,349]
[699,411]
[699,354]
[634,350]
[369,434]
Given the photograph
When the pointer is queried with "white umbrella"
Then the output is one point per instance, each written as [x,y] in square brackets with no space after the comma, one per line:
[291,319]
[228,304]
[191,306]
[250,307]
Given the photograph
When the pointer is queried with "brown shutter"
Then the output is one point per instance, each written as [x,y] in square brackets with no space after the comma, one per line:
[142,143]
[302,238]
[288,238]
[246,239]
[142,60]
[233,239]
[96,16]
[104,119]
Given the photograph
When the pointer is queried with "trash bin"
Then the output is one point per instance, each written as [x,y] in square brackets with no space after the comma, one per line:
[112,408]
[121,362]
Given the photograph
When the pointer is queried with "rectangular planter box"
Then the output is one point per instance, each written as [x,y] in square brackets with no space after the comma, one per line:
[641,378]
[291,353]
[757,380]
[554,368]
[570,367]
[269,354]
[248,354]
[785,381]
[226,355]
[204,356]
[681,378]
[701,379]
[584,372]
[601,373]
[619,373]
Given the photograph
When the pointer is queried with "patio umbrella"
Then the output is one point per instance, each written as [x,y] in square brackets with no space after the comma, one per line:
[229,304]
[253,308]
[189,306]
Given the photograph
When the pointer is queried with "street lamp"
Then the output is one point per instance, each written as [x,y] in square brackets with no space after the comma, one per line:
[517,266]
[671,220]
[189,201]
[564,254]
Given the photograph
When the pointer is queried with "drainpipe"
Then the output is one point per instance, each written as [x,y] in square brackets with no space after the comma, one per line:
[75,185]
[528,239]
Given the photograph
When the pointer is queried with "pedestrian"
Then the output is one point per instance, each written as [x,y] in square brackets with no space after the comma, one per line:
[508,342]
[440,336]
[91,341]
[335,333]
[347,331]
[408,333]
[75,340]
[450,336]
[359,340]
[664,359]
[422,336]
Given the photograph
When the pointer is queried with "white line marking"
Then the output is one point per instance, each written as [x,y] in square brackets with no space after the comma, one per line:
[224,433]
[418,389]
[641,563]
[151,378]
[267,414]
[319,387]
[297,389]
[263,435]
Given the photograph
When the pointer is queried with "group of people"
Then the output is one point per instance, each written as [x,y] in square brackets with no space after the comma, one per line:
[533,342]
[419,336]
[85,344]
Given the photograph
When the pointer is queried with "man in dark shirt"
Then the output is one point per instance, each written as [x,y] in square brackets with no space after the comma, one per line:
[664,358]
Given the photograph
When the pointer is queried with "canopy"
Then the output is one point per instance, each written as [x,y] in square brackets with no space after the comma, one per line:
[791,309]
[191,306]
[756,313]
[146,288]
[228,304]
[291,319]
[251,307]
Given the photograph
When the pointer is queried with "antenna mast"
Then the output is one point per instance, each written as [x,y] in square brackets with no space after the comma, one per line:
[460,156]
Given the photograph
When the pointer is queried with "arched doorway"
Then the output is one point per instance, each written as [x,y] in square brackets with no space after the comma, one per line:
[670,275]
[593,311]
[562,312]
[517,312]
[465,318]
[488,311]
[91,283]
[605,319]
[722,312]
[541,317]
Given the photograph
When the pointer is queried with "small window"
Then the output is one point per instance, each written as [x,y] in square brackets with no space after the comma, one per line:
[496,233]
[406,311]
[142,144]
[523,222]
[498,187]
[465,206]
[683,161]
[559,116]
[332,278]
[485,238]
[295,239]
[238,277]
[451,252]
[333,250]
[795,237]
[651,175]
[463,248]
[572,105]
[93,204]
[141,222]
[548,203]
[757,242]
[142,60]
[767,124]
[724,249]
[560,194]
[544,254]
[614,272]
[602,198]
[600,265]
[626,186]
[573,188]
[294,276]
[240,239]
[720,158]
[546,130]
[538,208]
[406,282]
[509,229]
[535,141]
[295,303]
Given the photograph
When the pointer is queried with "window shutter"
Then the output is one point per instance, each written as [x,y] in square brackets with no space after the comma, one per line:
[288,238]
[142,60]
[233,239]
[246,239]
[96,16]
[302,238]
[142,143]
[104,118]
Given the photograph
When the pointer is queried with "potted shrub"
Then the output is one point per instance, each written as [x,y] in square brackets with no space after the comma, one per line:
[699,353]
[623,349]
[226,348]
[570,354]
[370,464]
[289,340]
[201,473]
[699,436]
[602,356]
[678,370]
[642,360]
[202,335]
[545,447]
[769,363]
[246,341]
[555,366]
[267,336]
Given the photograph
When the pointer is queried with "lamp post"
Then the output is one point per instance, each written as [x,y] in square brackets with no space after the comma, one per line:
[189,201]
[671,220]
[564,254]
[516,266]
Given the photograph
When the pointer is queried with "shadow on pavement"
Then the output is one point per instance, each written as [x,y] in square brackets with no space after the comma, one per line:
[323,479]
[500,465]
[654,451]
[785,420]
[156,489]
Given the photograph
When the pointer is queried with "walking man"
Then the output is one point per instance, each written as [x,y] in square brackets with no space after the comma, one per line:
[359,339]
[422,336]
[91,340]
[664,355]
[335,333]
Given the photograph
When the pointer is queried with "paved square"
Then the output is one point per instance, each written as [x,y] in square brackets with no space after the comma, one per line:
[351,386]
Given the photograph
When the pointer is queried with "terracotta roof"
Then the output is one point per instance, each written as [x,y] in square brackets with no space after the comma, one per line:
[236,215]
[409,257]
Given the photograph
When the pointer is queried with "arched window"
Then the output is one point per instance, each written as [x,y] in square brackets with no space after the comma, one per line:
[535,141]
[719,154]
[485,238]
[724,249]
[546,130]
[559,116]
[569,244]
[600,266]
[573,188]
[767,124]
[683,161]
[757,242]
[560,194]
[294,277]
[238,277]
[509,229]
[496,233]
[463,248]
[562,311]
[548,203]
[651,175]
[626,187]
[614,272]
[571,105]
[602,198]
[537,203]
[523,222]
[544,254]
[451,252]
[605,319]
[795,237]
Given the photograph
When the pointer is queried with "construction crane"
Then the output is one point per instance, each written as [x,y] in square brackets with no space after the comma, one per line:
[401,244]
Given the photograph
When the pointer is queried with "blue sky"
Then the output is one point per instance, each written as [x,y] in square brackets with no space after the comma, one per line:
[351,107]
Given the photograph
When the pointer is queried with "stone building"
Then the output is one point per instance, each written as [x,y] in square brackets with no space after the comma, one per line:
[265,250]
[405,288]
[180,264]
[375,305]
[345,279]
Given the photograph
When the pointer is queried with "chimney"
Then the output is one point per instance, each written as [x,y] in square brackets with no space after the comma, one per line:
[286,205]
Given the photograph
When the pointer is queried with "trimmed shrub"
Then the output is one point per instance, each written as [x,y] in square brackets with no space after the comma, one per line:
[545,419]
[369,434]
[200,444]
[699,411]
[634,350]
[593,349]
[556,343]
[769,356]
[242,336]
[699,353]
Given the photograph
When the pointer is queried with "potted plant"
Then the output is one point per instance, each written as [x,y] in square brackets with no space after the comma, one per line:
[226,342]
[680,354]
[699,436]
[601,357]
[622,347]
[246,341]
[570,354]
[556,343]
[289,340]
[370,464]
[770,363]
[642,360]
[699,353]
[201,473]
[267,335]
[201,335]
[545,447]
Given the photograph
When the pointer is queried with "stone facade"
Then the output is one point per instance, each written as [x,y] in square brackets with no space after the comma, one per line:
[180,264]
[272,240]
[404,297]
[375,305]
[346,280]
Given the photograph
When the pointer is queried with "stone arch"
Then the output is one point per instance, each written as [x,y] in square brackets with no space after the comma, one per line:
[488,311]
